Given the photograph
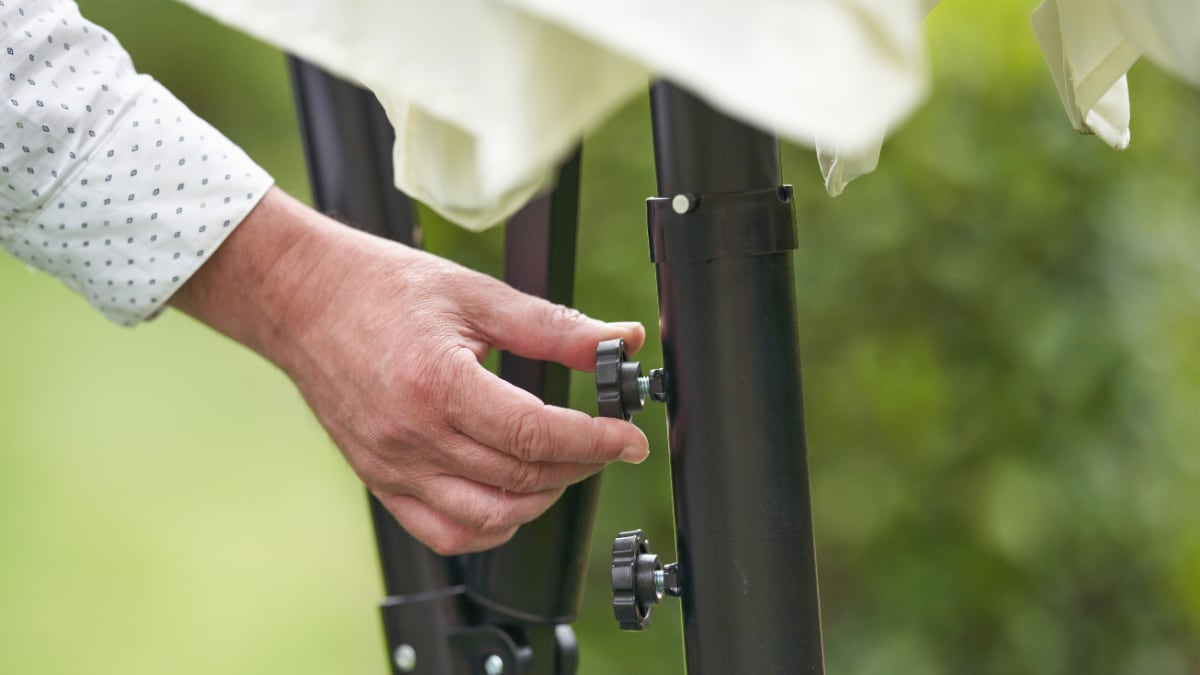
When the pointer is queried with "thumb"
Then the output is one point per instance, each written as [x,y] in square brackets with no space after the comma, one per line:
[538,329]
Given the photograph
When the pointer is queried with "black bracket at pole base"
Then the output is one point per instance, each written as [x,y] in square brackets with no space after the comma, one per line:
[424,637]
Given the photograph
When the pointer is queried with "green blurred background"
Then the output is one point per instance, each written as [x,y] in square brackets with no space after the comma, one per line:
[1000,335]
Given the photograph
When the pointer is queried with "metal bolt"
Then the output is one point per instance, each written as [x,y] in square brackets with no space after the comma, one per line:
[644,387]
[682,204]
[660,583]
[653,386]
[405,657]
[493,665]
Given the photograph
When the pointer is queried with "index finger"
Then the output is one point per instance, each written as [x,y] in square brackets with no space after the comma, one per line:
[510,419]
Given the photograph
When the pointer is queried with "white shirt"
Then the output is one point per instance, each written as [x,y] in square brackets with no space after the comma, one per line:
[107,181]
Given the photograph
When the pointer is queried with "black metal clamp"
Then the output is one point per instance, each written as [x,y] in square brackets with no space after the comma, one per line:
[695,228]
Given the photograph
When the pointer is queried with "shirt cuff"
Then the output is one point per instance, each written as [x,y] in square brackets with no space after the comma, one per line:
[136,219]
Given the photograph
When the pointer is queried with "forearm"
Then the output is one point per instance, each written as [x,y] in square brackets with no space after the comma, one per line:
[261,287]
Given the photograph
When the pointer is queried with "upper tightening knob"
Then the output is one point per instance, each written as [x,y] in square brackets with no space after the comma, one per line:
[617,378]
[621,390]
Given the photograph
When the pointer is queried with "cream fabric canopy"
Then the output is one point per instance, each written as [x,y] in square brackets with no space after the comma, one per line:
[1089,46]
[488,96]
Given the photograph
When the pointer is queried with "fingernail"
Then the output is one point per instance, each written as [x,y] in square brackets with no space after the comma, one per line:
[625,325]
[635,454]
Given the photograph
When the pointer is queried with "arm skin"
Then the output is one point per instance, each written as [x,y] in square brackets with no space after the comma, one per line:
[385,342]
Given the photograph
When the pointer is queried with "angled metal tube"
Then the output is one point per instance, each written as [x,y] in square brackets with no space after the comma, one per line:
[739,463]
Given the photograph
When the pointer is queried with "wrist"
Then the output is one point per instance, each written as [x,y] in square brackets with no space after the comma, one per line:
[265,285]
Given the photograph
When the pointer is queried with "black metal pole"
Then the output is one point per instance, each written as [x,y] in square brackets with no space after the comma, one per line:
[347,142]
[348,146]
[534,582]
[456,615]
[731,352]
[539,574]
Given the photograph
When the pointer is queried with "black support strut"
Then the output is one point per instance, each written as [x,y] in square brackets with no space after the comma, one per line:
[721,237]
[347,144]
[539,574]
[504,610]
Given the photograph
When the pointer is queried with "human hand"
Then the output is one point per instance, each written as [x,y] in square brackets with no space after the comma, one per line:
[385,342]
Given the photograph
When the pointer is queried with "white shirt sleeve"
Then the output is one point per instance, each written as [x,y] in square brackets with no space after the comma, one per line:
[107,181]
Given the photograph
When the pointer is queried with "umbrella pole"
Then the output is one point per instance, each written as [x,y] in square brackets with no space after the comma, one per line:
[721,235]
[347,143]
[501,611]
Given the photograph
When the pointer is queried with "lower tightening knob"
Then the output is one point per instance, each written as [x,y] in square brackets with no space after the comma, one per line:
[621,390]
[639,580]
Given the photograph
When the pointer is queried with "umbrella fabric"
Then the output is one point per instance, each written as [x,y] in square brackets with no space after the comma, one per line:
[1168,31]
[1088,55]
[488,96]
[1091,44]
[840,164]
[841,161]
[484,98]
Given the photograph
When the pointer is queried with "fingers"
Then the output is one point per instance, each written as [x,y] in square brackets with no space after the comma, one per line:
[502,416]
[483,508]
[538,329]
[453,515]
[437,531]
[495,468]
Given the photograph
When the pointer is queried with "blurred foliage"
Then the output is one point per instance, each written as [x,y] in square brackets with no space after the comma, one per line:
[999,330]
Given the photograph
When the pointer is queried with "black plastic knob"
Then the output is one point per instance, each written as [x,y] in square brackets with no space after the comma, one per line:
[635,590]
[639,580]
[617,381]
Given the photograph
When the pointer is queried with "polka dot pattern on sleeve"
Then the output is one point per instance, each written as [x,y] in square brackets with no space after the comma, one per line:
[107,181]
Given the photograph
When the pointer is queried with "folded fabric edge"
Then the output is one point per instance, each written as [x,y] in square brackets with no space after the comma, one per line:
[1107,116]
[840,166]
